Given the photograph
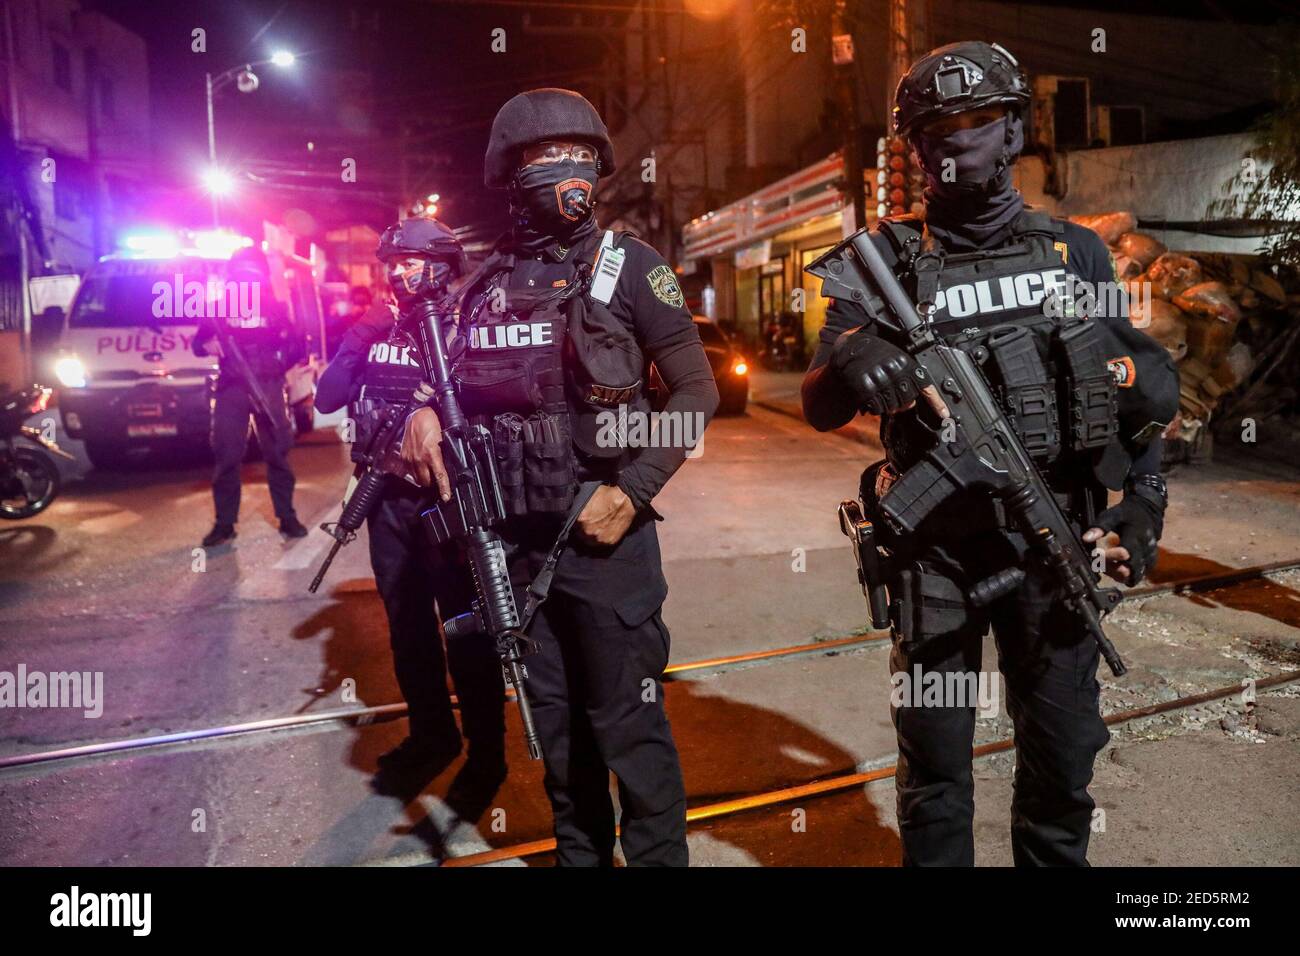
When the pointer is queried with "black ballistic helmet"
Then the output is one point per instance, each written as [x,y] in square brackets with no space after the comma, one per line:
[537,116]
[421,236]
[955,78]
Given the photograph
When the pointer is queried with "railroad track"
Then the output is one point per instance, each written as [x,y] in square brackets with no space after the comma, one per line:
[362,716]
[850,781]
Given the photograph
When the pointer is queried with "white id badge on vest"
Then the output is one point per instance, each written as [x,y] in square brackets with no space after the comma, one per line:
[608,266]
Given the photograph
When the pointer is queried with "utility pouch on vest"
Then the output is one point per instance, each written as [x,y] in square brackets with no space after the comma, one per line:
[508,445]
[1091,387]
[1027,391]
[488,387]
[550,475]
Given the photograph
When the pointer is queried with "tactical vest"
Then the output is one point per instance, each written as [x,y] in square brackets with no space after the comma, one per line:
[261,341]
[1046,365]
[391,373]
[513,371]
[389,376]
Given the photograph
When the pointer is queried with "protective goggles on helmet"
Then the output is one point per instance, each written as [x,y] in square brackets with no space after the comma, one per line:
[547,154]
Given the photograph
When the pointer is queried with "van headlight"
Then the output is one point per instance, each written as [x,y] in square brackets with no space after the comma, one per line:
[70,372]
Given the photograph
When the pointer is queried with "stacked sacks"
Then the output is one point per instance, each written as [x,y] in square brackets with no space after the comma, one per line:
[1205,308]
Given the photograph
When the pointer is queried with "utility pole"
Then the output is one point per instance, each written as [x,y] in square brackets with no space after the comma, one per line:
[900,180]
[847,83]
[97,179]
[21,219]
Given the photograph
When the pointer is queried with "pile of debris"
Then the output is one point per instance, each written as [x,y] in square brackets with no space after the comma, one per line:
[1227,319]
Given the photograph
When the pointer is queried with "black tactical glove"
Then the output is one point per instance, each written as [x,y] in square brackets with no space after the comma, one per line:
[881,376]
[1139,520]
[375,325]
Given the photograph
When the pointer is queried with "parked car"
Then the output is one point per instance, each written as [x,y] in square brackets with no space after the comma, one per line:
[730,368]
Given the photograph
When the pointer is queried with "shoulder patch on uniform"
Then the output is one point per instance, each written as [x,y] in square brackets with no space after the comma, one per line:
[664,285]
[1124,370]
[1064,250]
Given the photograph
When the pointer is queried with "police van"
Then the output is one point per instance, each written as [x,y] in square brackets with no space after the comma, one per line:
[127,373]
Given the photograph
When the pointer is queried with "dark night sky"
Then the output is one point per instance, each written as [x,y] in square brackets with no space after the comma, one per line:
[425,60]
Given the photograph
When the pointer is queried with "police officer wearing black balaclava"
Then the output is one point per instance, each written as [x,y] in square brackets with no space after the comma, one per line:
[1006,293]
[271,346]
[375,368]
[556,334]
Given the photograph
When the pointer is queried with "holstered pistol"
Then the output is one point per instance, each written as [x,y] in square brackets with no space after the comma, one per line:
[870,560]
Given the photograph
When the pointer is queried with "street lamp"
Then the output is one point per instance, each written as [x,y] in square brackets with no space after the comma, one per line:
[245,81]
[218,181]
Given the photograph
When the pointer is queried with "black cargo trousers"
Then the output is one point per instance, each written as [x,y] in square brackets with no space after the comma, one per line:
[231,409]
[414,579]
[597,694]
[1048,664]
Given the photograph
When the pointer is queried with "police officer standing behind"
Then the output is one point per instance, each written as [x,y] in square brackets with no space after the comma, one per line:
[376,367]
[1003,292]
[271,346]
[556,334]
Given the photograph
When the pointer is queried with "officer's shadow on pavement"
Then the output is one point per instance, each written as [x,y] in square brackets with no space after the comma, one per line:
[1258,596]
[728,748]
[439,814]
[731,749]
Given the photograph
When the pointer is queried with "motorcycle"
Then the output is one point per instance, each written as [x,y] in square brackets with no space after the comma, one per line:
[29,478]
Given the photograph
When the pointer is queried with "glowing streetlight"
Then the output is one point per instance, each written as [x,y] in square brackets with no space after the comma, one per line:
[245,81]
[218,181]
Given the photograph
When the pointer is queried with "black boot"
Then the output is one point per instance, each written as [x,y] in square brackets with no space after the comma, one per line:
[412,764]
[220,534]
[292,527]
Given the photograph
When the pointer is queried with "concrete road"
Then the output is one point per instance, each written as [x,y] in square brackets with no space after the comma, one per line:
[109,580]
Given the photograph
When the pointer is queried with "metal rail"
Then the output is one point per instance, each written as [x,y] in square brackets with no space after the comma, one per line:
[819,788]
[354,716]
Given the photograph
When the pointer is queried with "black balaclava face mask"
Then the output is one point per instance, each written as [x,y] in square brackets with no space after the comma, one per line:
[416,279]
[976,202]
[552,202]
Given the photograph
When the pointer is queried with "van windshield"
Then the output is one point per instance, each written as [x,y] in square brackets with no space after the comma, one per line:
[127,301]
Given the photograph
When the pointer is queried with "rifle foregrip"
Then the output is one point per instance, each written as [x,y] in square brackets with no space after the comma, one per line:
[364,498]
[487,561]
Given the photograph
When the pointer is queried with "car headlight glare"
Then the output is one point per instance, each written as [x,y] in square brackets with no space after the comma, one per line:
[70,372]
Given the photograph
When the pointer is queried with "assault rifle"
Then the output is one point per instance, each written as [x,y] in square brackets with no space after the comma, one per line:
[985,452]
[261,401]
[470,517]
[381,458]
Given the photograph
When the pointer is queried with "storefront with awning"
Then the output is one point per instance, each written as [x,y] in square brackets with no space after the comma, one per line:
[756,249]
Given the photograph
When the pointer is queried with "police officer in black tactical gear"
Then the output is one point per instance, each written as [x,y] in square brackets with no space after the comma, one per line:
[271,346]
[376,367]
[556,332]
[1003,281]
